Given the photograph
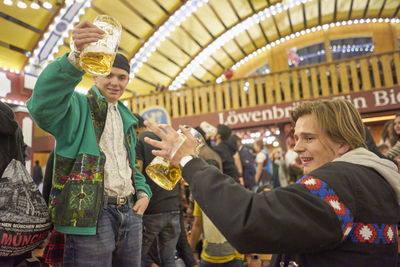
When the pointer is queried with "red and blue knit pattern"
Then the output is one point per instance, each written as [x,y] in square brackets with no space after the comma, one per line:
[374,233]
[322,190]
[355,231]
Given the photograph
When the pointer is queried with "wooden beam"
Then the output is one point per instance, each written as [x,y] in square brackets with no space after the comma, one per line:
[383,6]
[351,9]
[366,9]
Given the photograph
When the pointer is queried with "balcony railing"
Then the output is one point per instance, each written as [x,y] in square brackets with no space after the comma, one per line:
[314,81]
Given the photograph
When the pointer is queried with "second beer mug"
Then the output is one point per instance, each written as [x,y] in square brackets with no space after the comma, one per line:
[162,172]
[97,58]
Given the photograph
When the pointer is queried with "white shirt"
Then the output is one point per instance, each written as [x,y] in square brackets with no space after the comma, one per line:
[117,172]
[260,157]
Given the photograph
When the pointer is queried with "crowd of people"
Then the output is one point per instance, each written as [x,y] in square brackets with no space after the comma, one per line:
[323,199]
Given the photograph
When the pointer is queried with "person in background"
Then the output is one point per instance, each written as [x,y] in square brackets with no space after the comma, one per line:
[370,143]
[183,249]
[387,135]
[12,141]
[247,160]
[291,157]
[98,197]
[37,173]
[161,220]
[383,148]
[216,249]
[231,164]
[263,170]
[343,212]
[11,147]
[294,173]
[206,152]
[279,169]
[139,126]
[394,151]
[48,177]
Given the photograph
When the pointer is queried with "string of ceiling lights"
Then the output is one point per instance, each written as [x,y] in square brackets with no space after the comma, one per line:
[34,4]
[301,33]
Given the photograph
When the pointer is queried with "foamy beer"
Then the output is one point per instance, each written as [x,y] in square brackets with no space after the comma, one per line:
[162,172]
[97,58]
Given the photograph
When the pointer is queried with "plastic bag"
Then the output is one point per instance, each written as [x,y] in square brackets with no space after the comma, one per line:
[24,216]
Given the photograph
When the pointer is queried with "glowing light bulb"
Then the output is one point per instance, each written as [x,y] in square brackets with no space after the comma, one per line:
[34,5]
[21,4]
[47,5]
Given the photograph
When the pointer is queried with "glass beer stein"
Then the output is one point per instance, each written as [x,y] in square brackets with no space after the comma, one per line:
[97,58]
[162,172]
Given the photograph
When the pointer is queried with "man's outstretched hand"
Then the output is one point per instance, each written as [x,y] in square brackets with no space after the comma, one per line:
[168,138]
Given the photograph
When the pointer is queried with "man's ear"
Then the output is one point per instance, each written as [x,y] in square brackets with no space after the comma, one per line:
[343,149]
[95,79]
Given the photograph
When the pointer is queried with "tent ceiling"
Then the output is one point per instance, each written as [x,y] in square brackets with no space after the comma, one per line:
[22,29]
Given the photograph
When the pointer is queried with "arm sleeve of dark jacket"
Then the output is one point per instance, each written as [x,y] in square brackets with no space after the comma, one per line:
[48,177]
[7,120]
[11,138]
[288,219]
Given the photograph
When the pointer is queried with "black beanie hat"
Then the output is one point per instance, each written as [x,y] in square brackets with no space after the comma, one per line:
[121,62]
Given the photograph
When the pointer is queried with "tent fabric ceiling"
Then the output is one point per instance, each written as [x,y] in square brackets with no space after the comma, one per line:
[22,29]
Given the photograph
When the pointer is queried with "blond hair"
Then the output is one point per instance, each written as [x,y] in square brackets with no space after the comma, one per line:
[338,118]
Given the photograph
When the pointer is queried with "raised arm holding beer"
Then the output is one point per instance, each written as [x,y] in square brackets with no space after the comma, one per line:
[98,196]
[343,212]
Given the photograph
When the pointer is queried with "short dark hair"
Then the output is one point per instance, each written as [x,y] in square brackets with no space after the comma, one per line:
[140,123]
[198,128]
[224,131]
[234,138]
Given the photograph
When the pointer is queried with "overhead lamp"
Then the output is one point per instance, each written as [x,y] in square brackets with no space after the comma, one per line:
[21,4]
[34,5]
[8,2]
[47,5]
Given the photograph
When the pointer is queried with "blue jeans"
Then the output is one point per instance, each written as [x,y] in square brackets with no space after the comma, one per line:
[117,242]
[232,263]
[166,228]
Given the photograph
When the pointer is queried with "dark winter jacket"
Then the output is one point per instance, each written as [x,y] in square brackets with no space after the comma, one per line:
[11,139]
[341,214]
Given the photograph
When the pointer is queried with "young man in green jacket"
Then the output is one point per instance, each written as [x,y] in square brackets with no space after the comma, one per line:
[98,196]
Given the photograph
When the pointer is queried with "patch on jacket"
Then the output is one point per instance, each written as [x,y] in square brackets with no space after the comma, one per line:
[327,194]
[77,190]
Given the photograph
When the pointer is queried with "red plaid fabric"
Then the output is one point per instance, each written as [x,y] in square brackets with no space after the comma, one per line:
[54,250]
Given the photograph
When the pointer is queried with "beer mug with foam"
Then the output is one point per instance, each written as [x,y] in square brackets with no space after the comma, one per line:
[162,172]
[97,58]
